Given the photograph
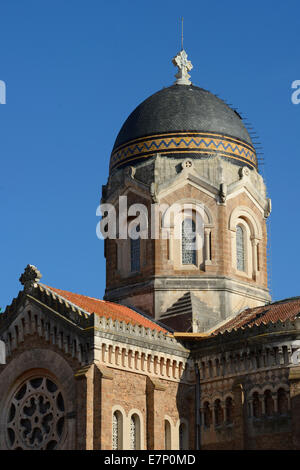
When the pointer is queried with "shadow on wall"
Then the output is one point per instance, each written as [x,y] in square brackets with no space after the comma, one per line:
[186,427]
[2,353]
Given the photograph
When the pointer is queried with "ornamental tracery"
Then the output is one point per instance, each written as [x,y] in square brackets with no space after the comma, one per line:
[36,416]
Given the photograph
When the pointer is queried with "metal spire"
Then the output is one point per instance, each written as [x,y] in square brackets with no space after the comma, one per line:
[181,33]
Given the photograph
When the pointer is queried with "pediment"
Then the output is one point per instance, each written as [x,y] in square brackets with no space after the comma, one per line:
[187,177]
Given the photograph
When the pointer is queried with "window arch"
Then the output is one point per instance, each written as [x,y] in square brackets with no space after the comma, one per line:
[240,248]
[135,432]
[229,410]
[188,254]
[246,250]
[117,431]
[187,209]
[36,418]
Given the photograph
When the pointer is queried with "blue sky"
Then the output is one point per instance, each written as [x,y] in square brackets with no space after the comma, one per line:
[75,69]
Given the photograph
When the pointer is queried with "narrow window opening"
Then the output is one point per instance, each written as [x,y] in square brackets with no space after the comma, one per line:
[240,249]
[188,241]
[117,424]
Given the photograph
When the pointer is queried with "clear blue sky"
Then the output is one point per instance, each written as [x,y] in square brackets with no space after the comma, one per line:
[75,69]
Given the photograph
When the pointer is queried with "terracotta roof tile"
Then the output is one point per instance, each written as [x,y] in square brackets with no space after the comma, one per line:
[282,310]
[103,308]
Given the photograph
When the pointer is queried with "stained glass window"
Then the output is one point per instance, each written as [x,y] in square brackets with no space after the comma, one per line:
[133,433]
[240,249]
[115,432]
[188,241]
[36,418]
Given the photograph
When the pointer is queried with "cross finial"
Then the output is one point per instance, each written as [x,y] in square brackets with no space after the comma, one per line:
[184,66]
[30,277]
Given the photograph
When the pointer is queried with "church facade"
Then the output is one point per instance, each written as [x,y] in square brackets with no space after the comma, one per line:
[187,350]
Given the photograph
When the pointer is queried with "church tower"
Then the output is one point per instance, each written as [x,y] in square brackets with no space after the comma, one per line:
[185,146]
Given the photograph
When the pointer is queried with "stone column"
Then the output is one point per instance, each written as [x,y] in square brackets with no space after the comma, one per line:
[254,257]
[280,355]
[207,246]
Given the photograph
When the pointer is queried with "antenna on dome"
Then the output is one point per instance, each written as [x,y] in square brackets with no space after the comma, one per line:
[182,33]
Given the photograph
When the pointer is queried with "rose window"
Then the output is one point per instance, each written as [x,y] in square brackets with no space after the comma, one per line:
[36,416]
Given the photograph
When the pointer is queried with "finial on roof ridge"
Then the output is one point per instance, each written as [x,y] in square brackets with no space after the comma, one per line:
[30,276]
[184,66]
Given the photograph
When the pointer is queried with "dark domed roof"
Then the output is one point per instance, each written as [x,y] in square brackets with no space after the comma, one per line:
[181,110]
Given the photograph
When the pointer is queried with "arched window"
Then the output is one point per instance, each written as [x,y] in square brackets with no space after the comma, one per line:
[117,436]
[229,410]
[188,242]
[168,445]
[282,401]
[135,432]
[269,403]
[240,249]
[218,413]
[36,417]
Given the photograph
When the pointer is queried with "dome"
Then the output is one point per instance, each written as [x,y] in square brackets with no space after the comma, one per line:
[181,120]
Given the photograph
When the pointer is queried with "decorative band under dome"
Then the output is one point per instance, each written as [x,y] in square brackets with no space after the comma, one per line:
[184,142]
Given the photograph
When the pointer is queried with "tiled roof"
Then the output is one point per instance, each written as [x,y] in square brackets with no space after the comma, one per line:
[103,308]
[282,310]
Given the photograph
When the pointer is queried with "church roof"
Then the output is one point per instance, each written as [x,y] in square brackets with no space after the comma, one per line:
[77,307]
[182,108]
[183,119]
[103,308]
[281,311]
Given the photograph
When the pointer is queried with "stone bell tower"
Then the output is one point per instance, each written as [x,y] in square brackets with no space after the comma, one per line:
[184,145]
